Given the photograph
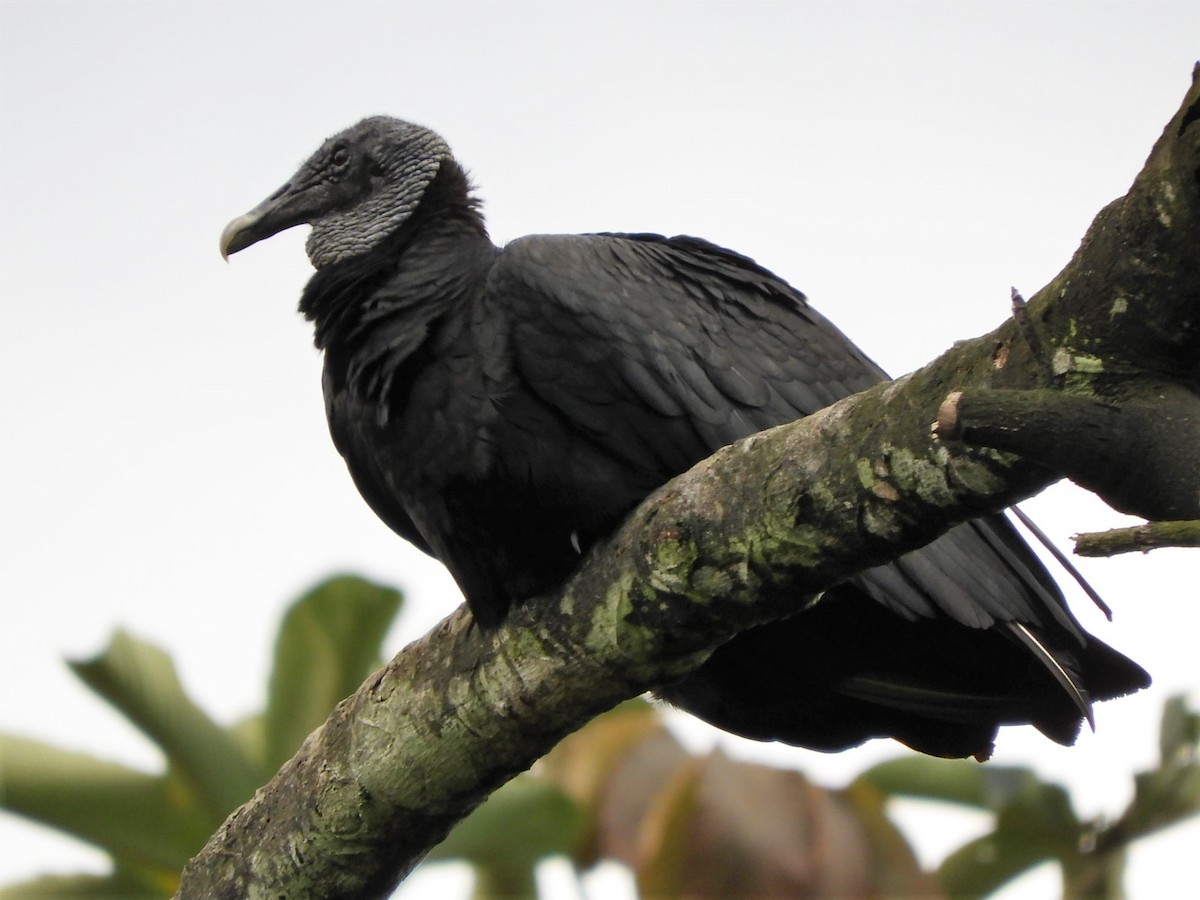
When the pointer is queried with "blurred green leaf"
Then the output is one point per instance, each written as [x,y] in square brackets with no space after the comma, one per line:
[140,680]
[1179,731]
[679,821]
[958,781]
[1170,793]
[88,887]
[328,643]
[1032,826]
[151,824]
[147,820]
[1034,820]
[984,865]
[517,827]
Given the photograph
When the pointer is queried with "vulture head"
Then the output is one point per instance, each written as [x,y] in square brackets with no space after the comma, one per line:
[358,188]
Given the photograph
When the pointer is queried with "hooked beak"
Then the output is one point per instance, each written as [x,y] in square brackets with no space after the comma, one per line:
[284,209]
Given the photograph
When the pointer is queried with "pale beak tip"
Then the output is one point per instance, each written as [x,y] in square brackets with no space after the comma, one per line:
[233,238]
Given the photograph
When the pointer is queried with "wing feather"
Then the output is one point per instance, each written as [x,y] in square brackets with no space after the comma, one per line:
[691,347]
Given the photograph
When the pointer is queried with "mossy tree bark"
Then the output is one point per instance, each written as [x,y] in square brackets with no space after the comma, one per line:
[1096,379]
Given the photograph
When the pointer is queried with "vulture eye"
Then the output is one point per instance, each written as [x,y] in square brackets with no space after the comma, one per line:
[340,156]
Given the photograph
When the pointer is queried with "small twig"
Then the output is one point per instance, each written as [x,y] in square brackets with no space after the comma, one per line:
[1029,334]
[1147,537]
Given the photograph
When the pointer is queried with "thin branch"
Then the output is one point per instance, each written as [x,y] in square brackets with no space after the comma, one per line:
[1143,538]
[1029,334]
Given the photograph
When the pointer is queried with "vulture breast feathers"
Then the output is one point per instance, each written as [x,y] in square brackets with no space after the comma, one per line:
[505,408]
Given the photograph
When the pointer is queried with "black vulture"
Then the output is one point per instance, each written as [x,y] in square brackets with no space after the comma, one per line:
[503,408]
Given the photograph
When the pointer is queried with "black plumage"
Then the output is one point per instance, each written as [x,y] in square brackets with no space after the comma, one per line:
[504,408]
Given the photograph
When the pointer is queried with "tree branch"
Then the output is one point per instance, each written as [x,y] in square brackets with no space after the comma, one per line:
[1144,538]
[1141,452]
[734,542]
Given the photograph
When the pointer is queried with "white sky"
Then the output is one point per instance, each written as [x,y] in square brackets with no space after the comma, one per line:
[165,463]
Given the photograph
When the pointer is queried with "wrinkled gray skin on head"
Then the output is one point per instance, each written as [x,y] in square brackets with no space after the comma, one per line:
[358,188]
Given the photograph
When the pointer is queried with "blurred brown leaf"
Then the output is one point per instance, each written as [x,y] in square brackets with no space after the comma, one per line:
[715,827]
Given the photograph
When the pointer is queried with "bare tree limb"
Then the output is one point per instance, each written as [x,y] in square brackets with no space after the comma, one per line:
[1143,538]
[745,537]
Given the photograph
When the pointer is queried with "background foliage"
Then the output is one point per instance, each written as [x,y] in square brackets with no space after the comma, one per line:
[623,789]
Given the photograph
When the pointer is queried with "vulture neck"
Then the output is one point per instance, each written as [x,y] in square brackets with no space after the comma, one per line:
[414,276]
